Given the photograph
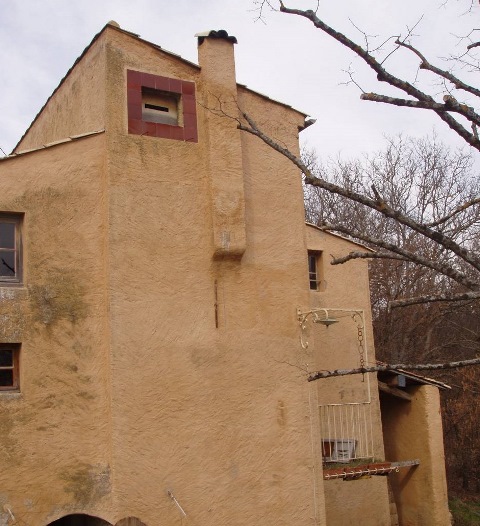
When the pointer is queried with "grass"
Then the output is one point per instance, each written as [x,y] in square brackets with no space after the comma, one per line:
[465,512]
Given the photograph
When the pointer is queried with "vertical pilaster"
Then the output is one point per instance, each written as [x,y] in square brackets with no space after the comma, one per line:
[218,84]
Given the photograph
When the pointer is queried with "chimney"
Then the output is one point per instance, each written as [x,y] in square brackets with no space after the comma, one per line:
[218,87]
[216,57]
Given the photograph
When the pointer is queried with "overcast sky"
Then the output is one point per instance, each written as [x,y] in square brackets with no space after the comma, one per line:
[284,57]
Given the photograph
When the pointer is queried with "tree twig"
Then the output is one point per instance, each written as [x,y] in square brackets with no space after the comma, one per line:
[382,74]
[433,298]
[379,205]
[395,367]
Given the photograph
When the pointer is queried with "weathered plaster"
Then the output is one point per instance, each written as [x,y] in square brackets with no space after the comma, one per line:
[76,107]
[337,347]
[86,483]
[153,359]
[59,422]
[414,430]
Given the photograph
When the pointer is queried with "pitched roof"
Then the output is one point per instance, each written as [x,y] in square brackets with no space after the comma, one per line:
[114,25]
[413,378]
[72,138]
[345,238]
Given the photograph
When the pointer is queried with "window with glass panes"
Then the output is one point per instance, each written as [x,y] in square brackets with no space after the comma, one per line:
[10,249]
[315,270]
[9,367]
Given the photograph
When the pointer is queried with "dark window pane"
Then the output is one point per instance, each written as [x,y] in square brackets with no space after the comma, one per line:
[312,271]
[7,263]
[6,377]
[6,358]
[7,235]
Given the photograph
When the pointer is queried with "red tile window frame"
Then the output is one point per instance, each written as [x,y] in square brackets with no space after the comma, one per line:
[182,88]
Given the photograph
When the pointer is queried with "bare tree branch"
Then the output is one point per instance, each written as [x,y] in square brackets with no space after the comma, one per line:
[407,255]
[443,319]
[395,367]
[464,296]
[457,210]
[366,255]
[379,205]
[450,105]
[425,64]
[382,74]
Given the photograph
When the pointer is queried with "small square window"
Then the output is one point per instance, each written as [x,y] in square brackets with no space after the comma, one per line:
[160,107]
[315,277]
[9,367]
[10,249]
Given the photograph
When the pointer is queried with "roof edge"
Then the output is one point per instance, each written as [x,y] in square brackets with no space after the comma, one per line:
[115,27]
[418,378]
[72,138]
[340,236]
[266,97]
[110,25]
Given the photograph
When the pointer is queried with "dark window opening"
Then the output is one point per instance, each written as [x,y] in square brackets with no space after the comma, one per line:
[9,367]
[315,277]
[10,248]
[160,107]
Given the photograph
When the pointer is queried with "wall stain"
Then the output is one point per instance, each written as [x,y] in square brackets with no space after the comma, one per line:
[53,294]
[7,442]
[81,349]
[47,428]
[12,320]
[72,367]
[281,413]
[86,395]
[61,298]
[11,420]
[87,483]
[49,402]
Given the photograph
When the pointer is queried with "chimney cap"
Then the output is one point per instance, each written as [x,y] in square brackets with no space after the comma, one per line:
[221,34]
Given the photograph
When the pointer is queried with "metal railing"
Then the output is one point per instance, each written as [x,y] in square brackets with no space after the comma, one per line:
[346,432]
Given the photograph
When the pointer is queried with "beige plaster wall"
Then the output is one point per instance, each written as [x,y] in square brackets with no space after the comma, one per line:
[153,364]
[413,430]
[337,347]
[76,107]
[55,433]
[214,414]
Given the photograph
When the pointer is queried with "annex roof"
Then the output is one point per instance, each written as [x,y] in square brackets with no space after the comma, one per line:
[412,378]
[334,234]
[72,138]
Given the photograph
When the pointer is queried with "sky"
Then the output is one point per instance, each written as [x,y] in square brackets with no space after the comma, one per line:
[280,55]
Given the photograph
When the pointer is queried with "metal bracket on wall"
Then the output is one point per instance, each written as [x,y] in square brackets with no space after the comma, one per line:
[182,511]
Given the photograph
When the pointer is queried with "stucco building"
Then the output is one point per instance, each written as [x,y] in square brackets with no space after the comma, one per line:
[158,317]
